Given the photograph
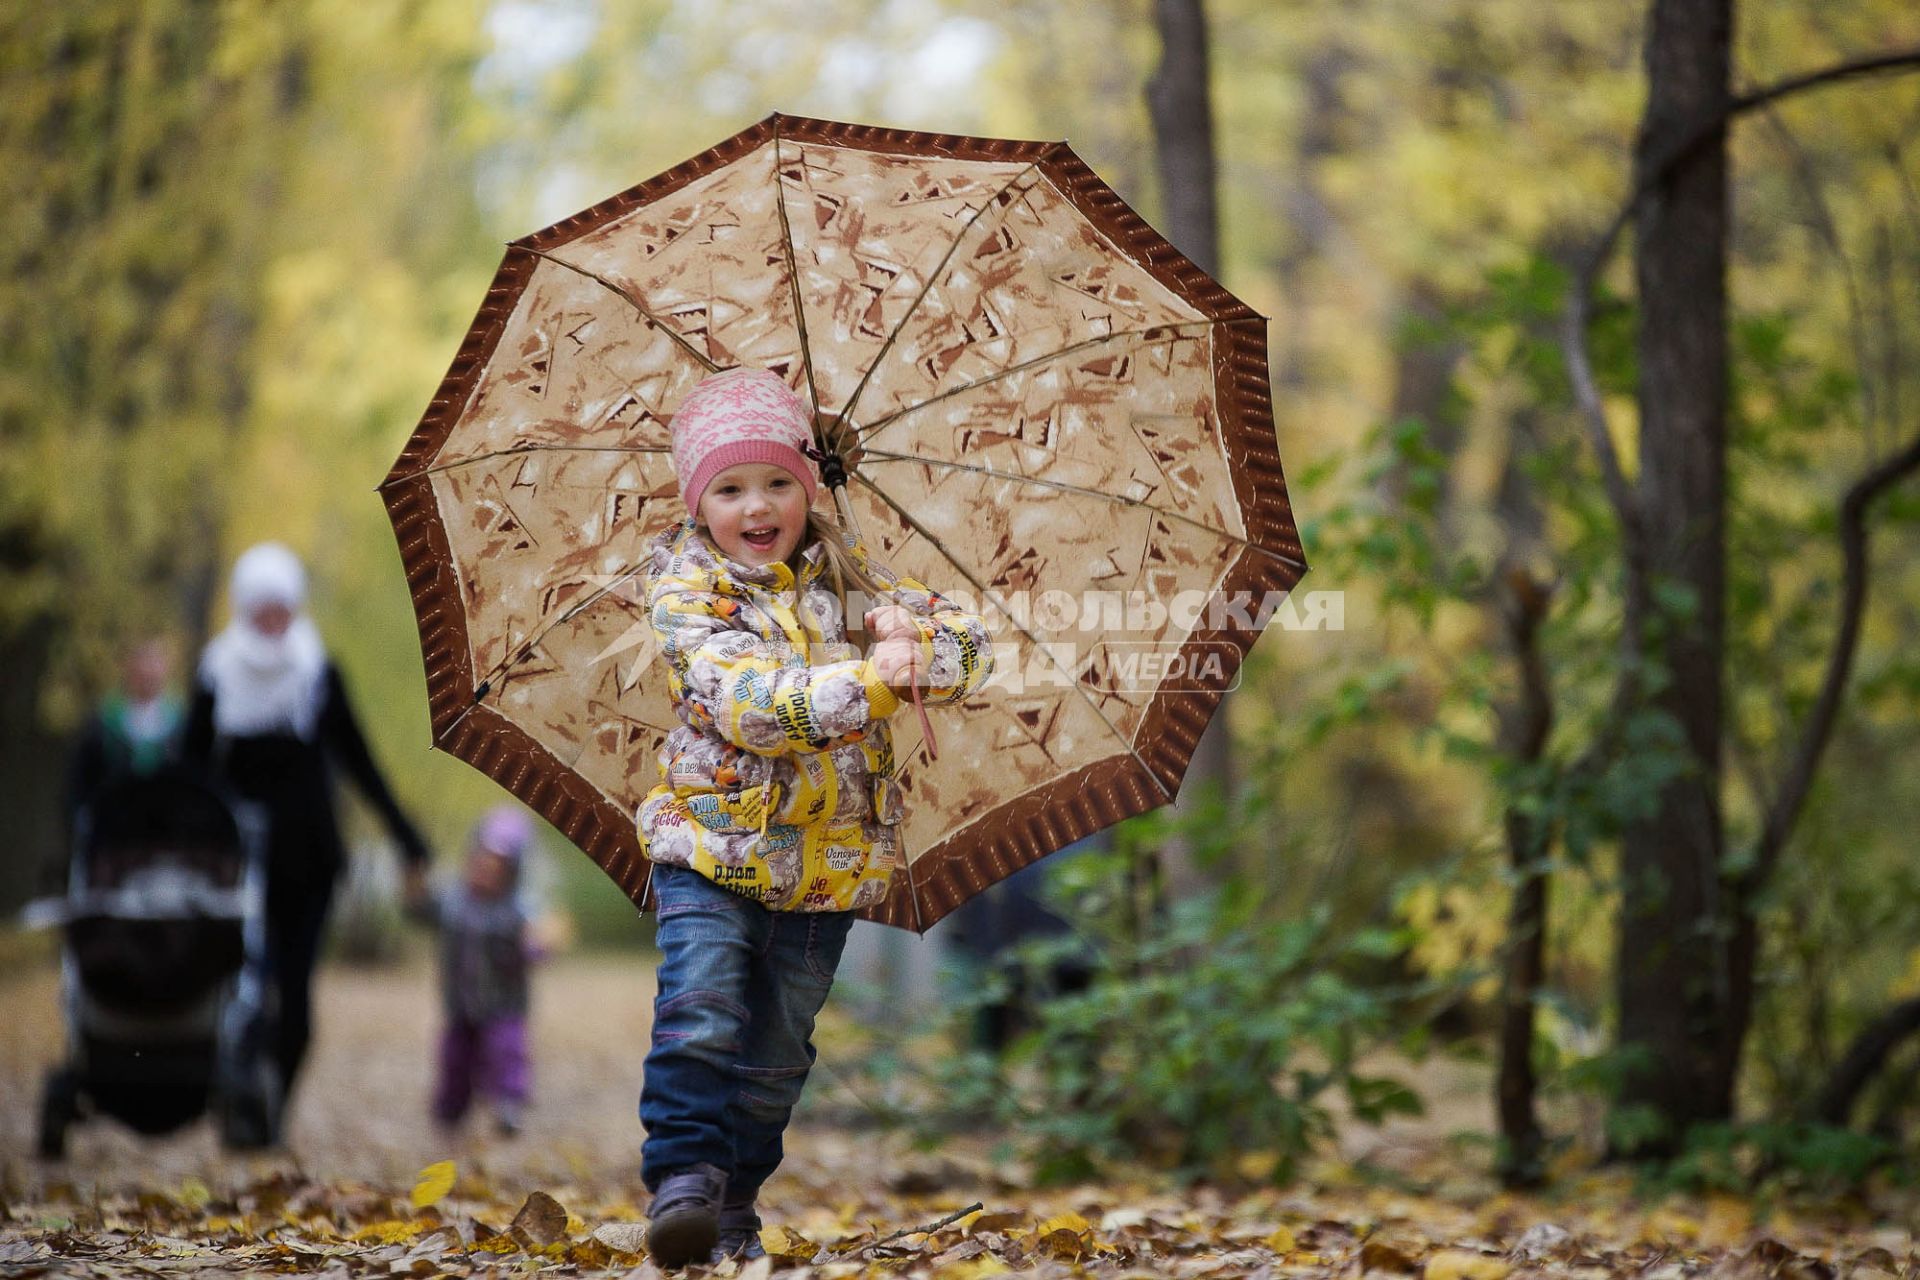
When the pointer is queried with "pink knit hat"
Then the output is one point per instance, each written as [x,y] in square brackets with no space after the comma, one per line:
[735,416]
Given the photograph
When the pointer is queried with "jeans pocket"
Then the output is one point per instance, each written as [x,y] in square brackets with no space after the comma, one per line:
[784,1072]
[826,940]
[679,891]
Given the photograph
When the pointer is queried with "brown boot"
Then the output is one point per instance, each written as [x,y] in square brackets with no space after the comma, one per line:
[739,1234]
[683,1222]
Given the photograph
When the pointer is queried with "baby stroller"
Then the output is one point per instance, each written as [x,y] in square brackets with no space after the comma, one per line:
[162,967]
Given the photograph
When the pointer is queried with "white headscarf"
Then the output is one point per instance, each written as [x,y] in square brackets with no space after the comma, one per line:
[262,683]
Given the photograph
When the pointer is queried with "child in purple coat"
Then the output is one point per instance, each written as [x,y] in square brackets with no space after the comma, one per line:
[486,950]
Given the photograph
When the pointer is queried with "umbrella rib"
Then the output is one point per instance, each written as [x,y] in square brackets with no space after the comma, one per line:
[927,287]
[793,274]
[566,615]
[913,895]
[875,426]
[518,449]
[984,590]
[886,456]
[678,338]
[448,731]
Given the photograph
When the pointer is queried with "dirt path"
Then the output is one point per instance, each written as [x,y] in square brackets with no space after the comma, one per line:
[361,1112]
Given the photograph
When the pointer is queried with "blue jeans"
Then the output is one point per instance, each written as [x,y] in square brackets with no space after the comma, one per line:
[740,987]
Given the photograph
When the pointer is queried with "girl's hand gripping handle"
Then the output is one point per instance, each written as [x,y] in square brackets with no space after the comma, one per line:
[897,660]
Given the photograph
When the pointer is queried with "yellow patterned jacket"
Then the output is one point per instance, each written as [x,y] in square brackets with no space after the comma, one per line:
[778,783]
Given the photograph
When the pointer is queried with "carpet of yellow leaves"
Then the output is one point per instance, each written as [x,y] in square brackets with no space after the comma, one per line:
[366,1187]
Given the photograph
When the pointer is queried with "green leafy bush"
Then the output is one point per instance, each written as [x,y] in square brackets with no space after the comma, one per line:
[1778,1156]
[1210,1040]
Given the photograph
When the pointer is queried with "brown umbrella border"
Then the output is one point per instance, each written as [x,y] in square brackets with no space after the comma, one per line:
[1071,807]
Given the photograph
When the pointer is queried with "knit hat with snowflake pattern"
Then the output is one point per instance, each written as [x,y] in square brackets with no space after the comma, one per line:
[735,416]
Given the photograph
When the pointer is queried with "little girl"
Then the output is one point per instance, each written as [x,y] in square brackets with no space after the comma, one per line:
[777,816]
[487,943]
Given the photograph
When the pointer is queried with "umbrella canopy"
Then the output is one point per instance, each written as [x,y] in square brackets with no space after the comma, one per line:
[1045,411]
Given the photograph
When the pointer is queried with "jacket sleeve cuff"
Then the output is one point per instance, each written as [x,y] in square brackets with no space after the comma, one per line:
[928,630]
[882,700]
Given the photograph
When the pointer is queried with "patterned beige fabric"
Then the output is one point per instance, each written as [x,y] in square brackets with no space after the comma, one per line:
[1028,400]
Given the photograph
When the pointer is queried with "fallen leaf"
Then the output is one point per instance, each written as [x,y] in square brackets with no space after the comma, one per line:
[1239,1263]
[1463,1264]
[1798,1268]
[540,1220]
[622,1237]
[1767,1252]
[1665,1225]
[1281,1240]
[1061,1243]
[1378,1255]
[432,1184]
[1727,1222]
[787,1244]
[1063,1222]
[968,1248]
[1543,1240]
[588,1254]
[392,1231]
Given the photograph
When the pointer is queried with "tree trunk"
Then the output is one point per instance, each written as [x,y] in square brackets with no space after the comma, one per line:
[1178,100]
[1520,1163]
[1314,231]
[1524,728]
[1179,104]
[1674,988]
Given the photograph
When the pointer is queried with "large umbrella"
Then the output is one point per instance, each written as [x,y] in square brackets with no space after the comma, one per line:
[1044,410]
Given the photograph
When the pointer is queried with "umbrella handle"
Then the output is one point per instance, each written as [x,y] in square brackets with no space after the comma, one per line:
[836,479]
[844,505]
[926,726]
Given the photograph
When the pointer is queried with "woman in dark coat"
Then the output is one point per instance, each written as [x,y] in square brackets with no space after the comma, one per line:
[270,718]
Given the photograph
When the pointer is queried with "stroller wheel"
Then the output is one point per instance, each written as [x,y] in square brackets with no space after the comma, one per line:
[250,1109]
[59,1108]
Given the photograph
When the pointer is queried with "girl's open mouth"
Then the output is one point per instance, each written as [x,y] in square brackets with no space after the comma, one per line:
[761,540]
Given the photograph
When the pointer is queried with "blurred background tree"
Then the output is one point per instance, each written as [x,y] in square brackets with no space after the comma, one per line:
[247,237]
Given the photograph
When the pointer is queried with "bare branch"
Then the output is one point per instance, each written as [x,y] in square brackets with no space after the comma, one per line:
[1668,158]
[1879,64]
[1827,228]
[1791,795]
[1573,336]
[1863,1060]
[1586,391]
[931,1227]
[1580,300]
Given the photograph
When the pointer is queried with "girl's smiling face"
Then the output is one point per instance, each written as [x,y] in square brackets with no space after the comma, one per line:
[756,512]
